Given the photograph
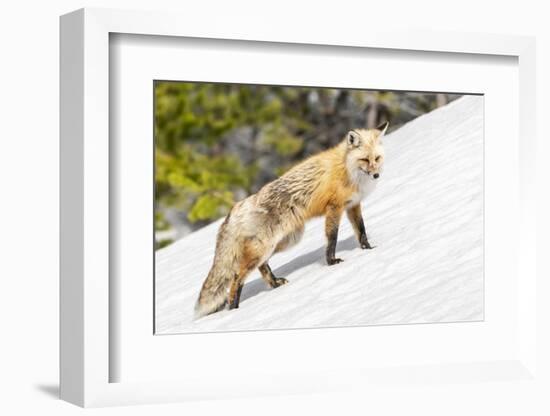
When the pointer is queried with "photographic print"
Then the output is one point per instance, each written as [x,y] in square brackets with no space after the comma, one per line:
[289,207]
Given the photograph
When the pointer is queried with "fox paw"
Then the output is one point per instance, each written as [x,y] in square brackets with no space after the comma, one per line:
[334,260]
[364,242]
[279,281]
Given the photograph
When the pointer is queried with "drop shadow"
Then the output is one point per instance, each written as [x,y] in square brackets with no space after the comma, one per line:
[258,286]
[51,390]
[315,256]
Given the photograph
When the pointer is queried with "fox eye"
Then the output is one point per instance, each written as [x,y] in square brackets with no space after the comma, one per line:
[377,159]
[366,160]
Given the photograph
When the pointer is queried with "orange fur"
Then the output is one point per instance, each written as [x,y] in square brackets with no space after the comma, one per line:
[272,220]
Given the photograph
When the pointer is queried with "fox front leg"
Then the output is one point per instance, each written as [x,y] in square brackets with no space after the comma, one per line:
[356,219]
[332,222]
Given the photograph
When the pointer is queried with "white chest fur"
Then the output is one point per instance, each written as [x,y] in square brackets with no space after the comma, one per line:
[366,185]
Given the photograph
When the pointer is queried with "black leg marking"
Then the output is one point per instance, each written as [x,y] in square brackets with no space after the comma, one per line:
[235,303]
[238,296]
[332,221]
[356,219]
[331,247]
[269,277]
[363,240]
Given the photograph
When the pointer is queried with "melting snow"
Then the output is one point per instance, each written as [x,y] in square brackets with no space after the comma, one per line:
[425,219]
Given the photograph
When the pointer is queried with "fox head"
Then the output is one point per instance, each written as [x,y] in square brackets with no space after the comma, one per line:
[365,153]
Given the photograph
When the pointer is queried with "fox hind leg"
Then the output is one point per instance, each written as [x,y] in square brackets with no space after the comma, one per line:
[235,292]
[252,252]
[269,277]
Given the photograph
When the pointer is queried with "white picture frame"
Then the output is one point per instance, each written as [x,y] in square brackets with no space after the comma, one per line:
[86,356]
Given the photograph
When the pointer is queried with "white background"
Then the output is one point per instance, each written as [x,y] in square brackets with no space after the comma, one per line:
[29,172]
[139,62]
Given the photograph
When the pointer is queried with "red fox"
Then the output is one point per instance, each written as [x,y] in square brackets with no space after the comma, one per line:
[272,220]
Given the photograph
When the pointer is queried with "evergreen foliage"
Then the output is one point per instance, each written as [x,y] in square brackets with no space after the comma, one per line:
[217,143]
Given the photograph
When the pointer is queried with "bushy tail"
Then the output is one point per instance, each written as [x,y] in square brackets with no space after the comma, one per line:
[213,295]
[214,291]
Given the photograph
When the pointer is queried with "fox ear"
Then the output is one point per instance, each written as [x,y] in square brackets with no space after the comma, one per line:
[383,127]
[353,138]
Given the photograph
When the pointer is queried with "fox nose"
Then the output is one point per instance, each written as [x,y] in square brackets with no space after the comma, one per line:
[375,176]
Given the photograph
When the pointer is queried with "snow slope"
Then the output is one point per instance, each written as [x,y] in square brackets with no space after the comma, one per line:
[425,219]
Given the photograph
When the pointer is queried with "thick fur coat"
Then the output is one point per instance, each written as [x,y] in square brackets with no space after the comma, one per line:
[329,183]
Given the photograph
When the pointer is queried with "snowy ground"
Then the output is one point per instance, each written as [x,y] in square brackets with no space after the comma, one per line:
[425,219]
